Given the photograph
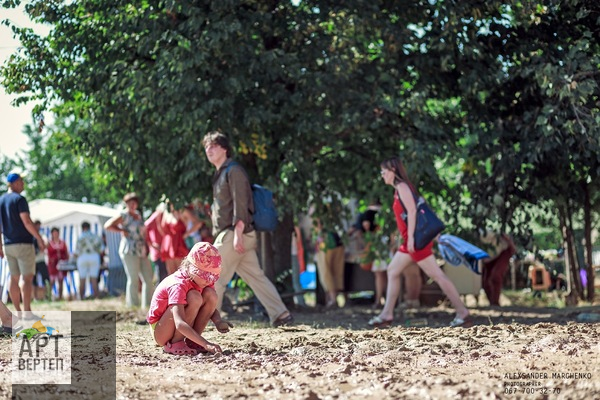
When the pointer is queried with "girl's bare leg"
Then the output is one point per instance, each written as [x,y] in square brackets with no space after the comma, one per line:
[165,328]
[208,307]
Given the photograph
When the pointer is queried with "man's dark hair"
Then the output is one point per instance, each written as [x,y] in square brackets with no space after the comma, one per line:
[85,226]
[216,137]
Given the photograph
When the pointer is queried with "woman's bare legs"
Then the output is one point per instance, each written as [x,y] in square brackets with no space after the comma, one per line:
[431,268]
[399,262]
[380,287]
[413,284]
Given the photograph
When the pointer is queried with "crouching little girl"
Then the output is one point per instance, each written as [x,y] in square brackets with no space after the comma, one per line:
[185,301]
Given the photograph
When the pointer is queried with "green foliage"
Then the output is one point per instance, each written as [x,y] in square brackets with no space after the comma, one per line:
[493,105]
[531,97]
[7,165]
[312,97]
[54,171]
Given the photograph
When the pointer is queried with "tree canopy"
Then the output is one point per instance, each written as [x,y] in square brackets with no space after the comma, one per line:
[492,104]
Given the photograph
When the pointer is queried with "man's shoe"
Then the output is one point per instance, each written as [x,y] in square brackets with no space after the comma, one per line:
[283,321]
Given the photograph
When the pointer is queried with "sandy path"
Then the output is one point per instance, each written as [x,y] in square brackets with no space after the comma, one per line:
[508,353]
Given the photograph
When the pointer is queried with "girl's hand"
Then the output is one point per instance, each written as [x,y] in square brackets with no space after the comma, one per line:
[223,326]
[212,348]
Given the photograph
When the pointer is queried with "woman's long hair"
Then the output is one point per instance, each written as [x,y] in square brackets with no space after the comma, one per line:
[400,175]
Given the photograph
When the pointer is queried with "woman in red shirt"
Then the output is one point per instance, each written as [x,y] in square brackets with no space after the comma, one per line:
[57,251]
[174,228]
[394,174]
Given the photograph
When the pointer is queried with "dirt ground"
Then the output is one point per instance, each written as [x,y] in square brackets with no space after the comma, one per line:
[510,352]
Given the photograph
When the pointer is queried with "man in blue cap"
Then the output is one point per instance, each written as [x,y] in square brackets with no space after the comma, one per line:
[19,231]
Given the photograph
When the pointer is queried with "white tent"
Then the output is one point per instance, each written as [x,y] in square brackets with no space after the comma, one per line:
[68,216]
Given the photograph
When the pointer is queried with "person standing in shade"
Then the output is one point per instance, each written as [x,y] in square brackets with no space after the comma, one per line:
[363,233]
[89,250]
[41,280]
[235,237]
[18,232]
[154,239]
[330,263]
[133,252]
[501,248]
[298,265]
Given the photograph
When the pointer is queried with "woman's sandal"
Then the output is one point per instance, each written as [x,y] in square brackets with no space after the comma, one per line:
[179,348]
[378,322]
[193,345]
[462,322]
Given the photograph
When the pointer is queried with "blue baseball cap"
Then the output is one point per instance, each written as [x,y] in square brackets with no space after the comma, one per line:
[13,177]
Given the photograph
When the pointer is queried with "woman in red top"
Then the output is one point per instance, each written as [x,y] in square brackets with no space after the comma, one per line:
[57,251]
[174,228]
[394,174]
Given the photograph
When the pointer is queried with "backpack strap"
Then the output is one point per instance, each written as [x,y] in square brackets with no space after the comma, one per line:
[232,164]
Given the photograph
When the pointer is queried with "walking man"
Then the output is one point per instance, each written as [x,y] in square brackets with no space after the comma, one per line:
[41,278]
[19,231]
[233,229]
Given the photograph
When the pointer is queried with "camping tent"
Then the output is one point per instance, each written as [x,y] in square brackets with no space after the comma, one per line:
[68,216]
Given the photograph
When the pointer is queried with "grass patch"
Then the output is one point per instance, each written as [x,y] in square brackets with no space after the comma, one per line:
[529,298]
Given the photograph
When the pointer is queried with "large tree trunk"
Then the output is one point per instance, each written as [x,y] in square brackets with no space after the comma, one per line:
[265,254]
[587,220]
[274,249]
[567,234]
[574,264]
[282,246]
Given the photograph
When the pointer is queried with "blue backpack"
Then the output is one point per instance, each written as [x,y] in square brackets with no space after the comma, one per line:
[265,213]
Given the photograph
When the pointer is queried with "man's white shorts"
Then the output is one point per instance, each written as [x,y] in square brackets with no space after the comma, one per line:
[88,265]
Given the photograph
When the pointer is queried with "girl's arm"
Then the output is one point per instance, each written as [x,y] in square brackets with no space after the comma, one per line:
[186,330]
[408,200]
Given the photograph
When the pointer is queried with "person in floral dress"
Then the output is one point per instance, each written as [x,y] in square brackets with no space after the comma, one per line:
[133,251]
